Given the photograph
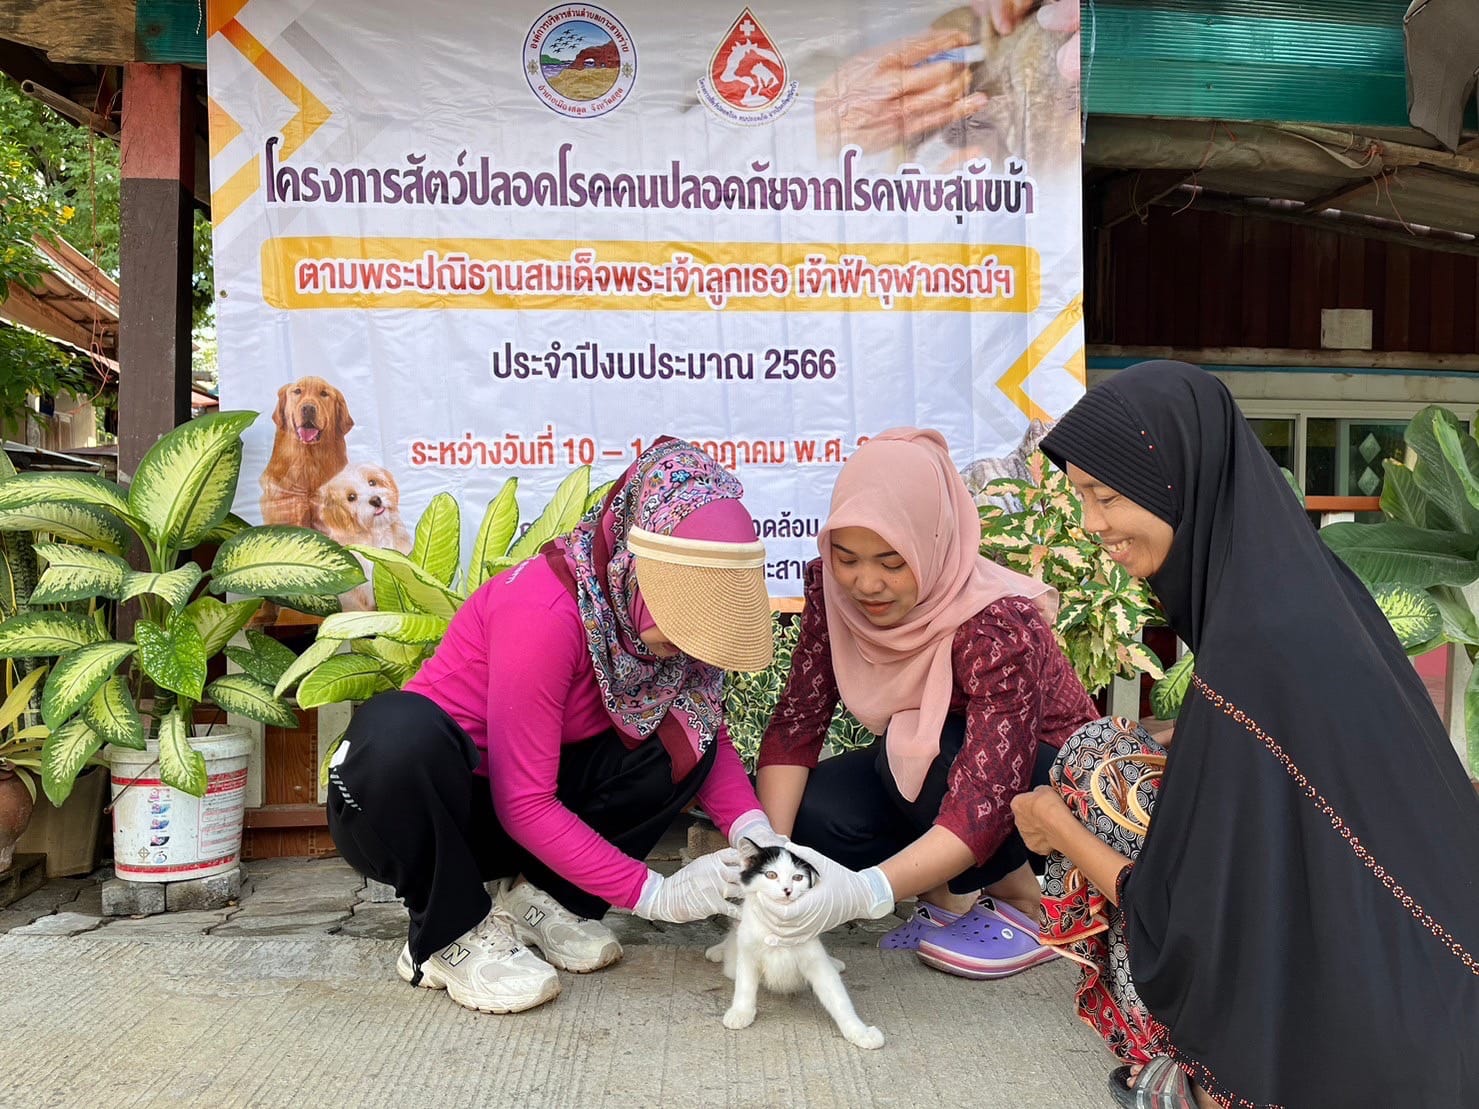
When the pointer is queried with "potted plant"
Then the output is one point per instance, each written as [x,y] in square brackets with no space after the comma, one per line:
[93,695]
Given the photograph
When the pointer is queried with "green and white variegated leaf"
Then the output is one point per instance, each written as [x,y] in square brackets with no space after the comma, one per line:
[1136,657]
[18,700]
[389,597]
[76,676]
[111,713]
[1168,694]
[400,627]
[1414,615]
[26,490]
[217,621]
[402,660]
[180,765]
[497,566]
[597,495]
[228,527]
[308,603]
[421,590]
[500,522]
[173,655]
[438,545]
[42,634]
[274,656]
[184,485]
[66,751]
[304,664]
[175,586]
[246,696]
[343,678]
[562,513]
[76,573]
[284,562]
[76,523]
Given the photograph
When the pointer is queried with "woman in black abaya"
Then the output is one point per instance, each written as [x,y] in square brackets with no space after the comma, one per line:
[1302,922]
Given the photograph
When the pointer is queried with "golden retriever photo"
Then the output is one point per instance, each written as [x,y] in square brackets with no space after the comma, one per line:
[312,421]
[362,504]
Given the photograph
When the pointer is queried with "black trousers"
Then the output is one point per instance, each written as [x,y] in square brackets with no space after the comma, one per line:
[853,812]
[406,809]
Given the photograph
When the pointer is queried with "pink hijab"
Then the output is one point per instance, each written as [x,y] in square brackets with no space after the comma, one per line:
[903,486]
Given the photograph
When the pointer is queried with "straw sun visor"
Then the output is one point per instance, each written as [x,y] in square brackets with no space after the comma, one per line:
[708,597]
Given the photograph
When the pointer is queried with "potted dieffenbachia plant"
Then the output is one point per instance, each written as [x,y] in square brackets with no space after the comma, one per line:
[180,498]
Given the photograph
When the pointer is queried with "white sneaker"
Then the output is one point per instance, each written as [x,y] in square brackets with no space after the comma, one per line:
[566,940]
[486,969]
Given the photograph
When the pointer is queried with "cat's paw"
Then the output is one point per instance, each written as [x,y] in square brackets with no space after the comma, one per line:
[740,1018]
[715,954]
[866,1037]
[837,964]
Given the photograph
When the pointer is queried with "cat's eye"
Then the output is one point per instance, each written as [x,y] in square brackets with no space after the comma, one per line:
[798,877]
[770,874]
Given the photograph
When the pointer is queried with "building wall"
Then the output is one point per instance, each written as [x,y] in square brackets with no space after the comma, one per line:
[1204,279]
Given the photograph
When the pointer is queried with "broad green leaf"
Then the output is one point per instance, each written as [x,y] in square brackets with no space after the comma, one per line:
[399,654]
[1459,623]
[26,490]
[1462,455]
[1471,718]
[1293,484]
[561,514]
[275,657]
[1434,475]
[19,698]
[313,605]
[76,573]
[597,495]
[389,597]
[1168,694]
[315,653]
[76,523]
[180,765]
[217,622]
[40,634]
[438,545]
[173,655]
[1393,552]
[76,677]
[343,678]
[184,485]
[1414,615]
[228,527]
[421,589]
[111,713]
[1403,501]
[500,522]
[66,752]
[175,586]
[246,696]
[281,562]
[400,627]
[7,467]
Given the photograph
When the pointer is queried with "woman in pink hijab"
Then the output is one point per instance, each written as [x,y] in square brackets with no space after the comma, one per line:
[951,661]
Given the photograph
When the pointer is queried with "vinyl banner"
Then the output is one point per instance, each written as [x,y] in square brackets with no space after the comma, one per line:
[459,242]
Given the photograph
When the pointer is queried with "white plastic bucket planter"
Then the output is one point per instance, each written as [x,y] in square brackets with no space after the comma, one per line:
[163,835]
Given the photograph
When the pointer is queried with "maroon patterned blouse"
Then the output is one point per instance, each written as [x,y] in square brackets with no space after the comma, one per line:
[1013,684]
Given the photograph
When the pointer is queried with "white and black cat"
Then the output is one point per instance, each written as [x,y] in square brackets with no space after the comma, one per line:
[774,875]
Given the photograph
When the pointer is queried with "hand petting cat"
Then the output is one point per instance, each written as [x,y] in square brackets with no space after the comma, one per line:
[705,887]
[839,895]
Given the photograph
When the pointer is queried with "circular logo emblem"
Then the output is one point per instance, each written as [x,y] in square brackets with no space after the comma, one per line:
[580,61]
[748,81]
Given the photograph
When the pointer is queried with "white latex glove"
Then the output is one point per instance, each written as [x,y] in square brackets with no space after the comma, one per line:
[698,891]
[754,826]
[839,895]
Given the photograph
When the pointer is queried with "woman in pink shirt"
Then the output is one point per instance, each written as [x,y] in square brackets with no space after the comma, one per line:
[571,712]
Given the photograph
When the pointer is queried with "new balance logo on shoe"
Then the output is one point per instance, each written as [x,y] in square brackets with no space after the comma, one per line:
[455,954]
[534,916]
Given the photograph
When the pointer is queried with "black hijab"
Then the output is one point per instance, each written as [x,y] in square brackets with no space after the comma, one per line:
[1304,919]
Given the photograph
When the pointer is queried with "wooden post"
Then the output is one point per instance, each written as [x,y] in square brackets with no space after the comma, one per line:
[155,257]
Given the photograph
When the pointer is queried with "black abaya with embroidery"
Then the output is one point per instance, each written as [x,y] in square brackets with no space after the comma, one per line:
[1304,919]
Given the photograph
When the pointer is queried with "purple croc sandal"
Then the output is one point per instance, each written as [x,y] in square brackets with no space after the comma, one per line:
[926,921]
[990,941]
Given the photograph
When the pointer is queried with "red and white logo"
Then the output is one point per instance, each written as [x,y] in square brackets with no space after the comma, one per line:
[747,81]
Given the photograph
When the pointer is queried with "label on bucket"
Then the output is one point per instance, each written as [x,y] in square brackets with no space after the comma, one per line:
[161,834]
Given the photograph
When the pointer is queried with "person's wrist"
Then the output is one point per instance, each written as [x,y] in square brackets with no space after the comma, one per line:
[747,824]
[882,891]
[643,907]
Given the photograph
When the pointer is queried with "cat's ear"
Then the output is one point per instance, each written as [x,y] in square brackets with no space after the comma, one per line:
[748,850]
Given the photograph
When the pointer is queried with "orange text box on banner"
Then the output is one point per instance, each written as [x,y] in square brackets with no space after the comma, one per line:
[551,274]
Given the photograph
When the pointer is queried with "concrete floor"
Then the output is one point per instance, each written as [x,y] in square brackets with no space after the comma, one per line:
[290,998]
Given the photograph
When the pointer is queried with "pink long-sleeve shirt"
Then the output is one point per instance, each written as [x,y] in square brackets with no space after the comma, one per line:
[515,673]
